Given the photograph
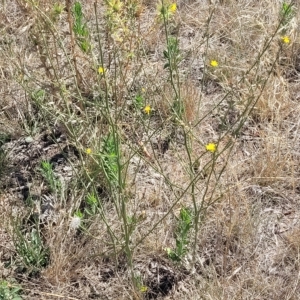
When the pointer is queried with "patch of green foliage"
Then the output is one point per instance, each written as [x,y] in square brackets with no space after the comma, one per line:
[182,235]
[80,28]
[9,291]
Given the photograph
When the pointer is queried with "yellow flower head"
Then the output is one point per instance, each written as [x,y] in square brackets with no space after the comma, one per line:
[88,151]
[147,109]
[285,39]
[143,289]
[214,63]
[101,70]
[166,10]
[172,8]
[211,147]
[115,5]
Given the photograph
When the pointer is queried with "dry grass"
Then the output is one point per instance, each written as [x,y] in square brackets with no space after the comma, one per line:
[245,237]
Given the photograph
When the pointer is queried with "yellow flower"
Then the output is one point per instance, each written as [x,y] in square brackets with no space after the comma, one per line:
[214,63]
[172,8]
[101,70]
[115,5]
[211,147]
[88,151]
[166,9]
[147,109]
[143,289]
[285,39]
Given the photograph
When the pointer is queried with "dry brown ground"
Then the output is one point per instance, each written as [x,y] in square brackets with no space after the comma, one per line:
[249,241]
